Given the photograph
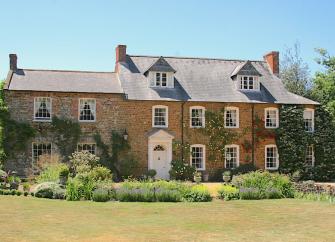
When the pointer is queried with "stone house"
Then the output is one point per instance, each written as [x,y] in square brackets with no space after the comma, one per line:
[155,101]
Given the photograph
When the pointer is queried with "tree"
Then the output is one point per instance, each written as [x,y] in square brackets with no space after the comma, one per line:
[294,72]
[324,81]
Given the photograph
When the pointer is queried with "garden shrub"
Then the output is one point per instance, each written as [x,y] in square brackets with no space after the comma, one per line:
[49,190]
[100,195]
[25,193]
[100,173]
[273,193]
[228,192]
[18,193]
[166,195]
[83,162]
[127,166]
[264,180]
[244,168]
[125,194]
[73,190]
[250,193]
[197,193]
[181,171]
[51,173]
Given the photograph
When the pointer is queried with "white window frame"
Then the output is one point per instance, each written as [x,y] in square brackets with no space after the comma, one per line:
[203,120]
[277,117]
[241,80]
[85,143]
[95,110]
[265,158]
[38,143]
[166,116]
[312,111]
[50,111]
[313,155]
[203,168]
[237,117]
[237,155]
[161,79]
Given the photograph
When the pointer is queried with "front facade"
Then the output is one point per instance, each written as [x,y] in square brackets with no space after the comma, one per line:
[157,101]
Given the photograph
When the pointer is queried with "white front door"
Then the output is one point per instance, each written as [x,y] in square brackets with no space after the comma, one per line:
[160,161]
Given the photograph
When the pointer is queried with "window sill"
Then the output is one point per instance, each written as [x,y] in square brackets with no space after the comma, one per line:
[159,126]
[42,120]
[229,127]
[271,169]
[271,127]
[86,121]
[197,127]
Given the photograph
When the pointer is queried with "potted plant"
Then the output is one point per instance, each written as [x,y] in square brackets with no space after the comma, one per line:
[197,177]
[296,176]
[63,175]
[151,173]
[14,182]
[226,176]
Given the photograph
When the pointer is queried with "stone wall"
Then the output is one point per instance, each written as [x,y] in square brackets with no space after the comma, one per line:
[114,112]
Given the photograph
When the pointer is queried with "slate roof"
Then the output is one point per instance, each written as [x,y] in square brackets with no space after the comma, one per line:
[246,68]
[203,79]
[64,81]
[160,65]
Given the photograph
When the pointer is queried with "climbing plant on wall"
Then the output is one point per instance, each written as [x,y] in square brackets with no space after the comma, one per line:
[14,135]
[218,136]
[292,139]
[115,155]
[66,135]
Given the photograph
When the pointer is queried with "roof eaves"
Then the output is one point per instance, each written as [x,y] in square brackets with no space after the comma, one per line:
[8,79]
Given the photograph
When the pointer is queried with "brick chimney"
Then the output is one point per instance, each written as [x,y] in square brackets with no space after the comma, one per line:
[121,53]
[13,62]
[272,58]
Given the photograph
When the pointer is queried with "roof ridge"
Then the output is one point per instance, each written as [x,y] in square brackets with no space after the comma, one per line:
[53,70]
[200,58]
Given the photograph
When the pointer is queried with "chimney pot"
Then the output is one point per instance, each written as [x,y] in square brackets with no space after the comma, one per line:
[13,62]
[272,58]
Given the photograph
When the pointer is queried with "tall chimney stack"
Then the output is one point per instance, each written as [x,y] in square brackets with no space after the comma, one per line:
[272,58]
[13,62]
[121,53]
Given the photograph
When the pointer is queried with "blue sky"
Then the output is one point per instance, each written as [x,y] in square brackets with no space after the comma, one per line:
[82,35]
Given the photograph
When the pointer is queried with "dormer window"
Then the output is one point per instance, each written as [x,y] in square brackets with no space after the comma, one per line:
[246,76]
[160,74]
[249,83]
[161,79]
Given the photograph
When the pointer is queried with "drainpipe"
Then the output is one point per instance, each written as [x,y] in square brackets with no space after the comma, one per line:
[253,134]
[182,130]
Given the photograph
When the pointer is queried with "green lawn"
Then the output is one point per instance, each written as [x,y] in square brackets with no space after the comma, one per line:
[33,219]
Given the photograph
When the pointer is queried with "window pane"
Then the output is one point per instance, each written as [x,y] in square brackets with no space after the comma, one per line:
[271,118]
[42,108]
[197,117]
[87,110]
[310,155]
[160,117]
[271,157]
[197,157]
[158,79]
[87,147]
[40,149]
[231,118]
[163,79]
[231,157]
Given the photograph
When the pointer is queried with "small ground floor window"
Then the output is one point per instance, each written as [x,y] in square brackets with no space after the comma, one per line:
[87,147]
[271,157]
[231,156]
[198,157]
[40,149]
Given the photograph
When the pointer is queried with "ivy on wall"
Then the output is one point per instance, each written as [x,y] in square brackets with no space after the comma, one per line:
[292,139]
[14,135]
[66,135]
[115,155]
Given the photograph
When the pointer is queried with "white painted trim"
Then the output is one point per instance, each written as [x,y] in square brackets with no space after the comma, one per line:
[88,143]
[32,149]
[313,154]
[277,117]
[237,117]
[265,157]
[203,116]
[203,153]
[166,118]
[95,110]
[160,138]
[42,120]
[169,79]
[310,110]
[237,154]
[256,83]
